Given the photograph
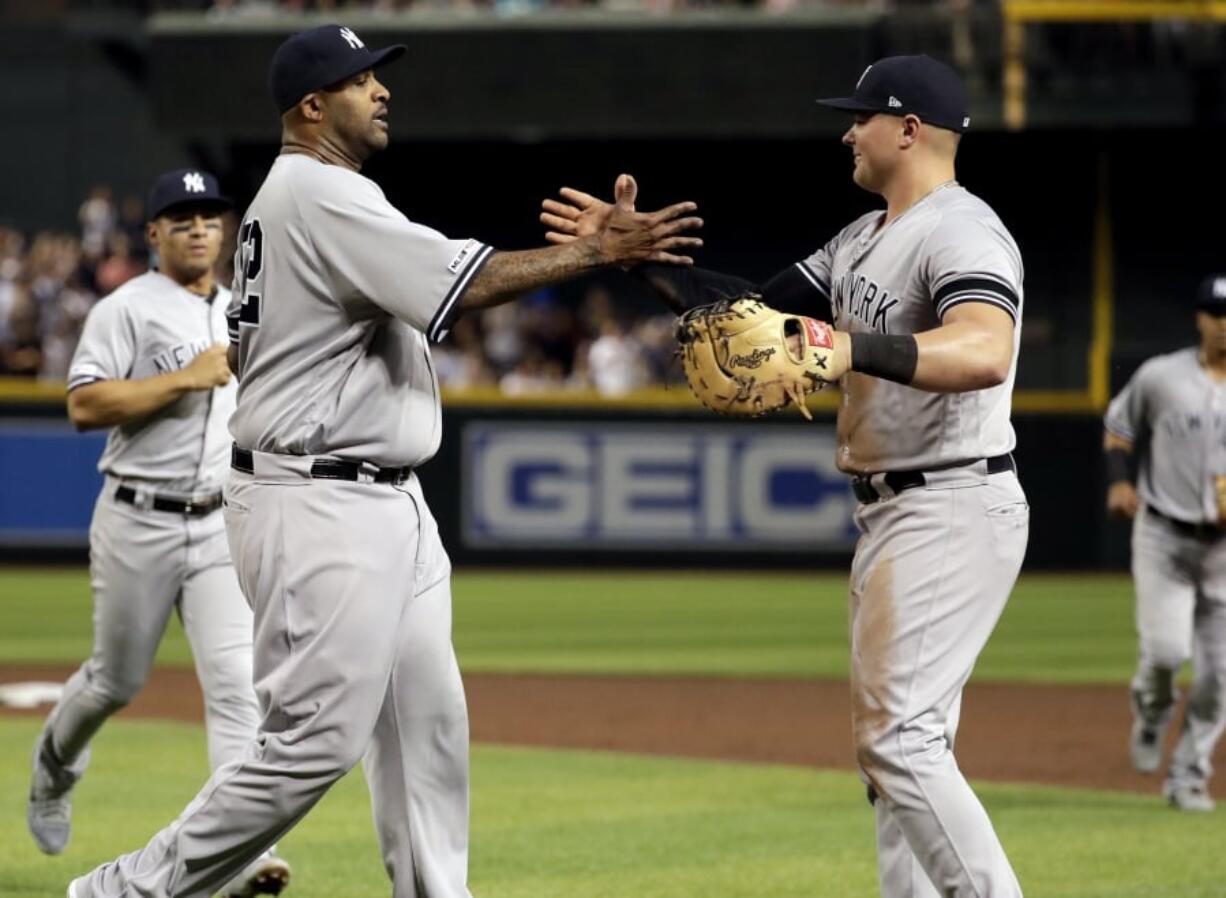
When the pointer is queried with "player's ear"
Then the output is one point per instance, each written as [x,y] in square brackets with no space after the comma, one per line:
[910,130]
[311,107]
[151,233]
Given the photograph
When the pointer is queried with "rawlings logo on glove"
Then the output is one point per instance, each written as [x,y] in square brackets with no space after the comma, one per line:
[743,358]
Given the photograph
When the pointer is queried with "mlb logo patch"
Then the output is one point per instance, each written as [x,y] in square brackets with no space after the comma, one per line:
[465,251]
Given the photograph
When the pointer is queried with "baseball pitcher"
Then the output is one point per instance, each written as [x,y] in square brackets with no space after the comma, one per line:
[151,366]
[1170,420]
[337,296]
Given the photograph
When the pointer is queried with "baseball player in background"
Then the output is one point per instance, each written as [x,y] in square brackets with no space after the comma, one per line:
[1170,419]
[337,296]
[151,366]
[927,299]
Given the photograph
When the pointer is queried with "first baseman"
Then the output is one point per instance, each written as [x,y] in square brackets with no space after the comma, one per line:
[926,296]
[336,297]
[151,366]
[1171,419]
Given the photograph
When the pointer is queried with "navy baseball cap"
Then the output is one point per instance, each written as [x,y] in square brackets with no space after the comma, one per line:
[1211,294]
[318,58]
[910,85]
[185,187]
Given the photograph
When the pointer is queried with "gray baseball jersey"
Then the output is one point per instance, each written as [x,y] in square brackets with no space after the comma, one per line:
[1175,413]
[936,563]
[151,325]
[146,563]
[336,294]
[947,249]
[332,309]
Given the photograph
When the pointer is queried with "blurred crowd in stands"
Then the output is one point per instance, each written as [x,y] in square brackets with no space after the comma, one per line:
[264,7]
[577,337]
[49,281]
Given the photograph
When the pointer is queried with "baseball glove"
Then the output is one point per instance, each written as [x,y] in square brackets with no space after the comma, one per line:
[743,358]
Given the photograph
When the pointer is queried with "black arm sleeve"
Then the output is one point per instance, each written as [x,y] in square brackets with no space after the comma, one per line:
[683,288]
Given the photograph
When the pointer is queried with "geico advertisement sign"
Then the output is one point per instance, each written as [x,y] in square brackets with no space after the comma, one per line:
[654,486]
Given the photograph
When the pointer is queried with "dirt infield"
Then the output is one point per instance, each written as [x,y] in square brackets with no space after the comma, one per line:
[1063,735]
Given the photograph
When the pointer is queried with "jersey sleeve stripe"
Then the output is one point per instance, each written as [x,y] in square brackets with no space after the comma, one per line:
[991,300]
[82,380]
[978,284]
[1117,428]
[811,276]
[440,324]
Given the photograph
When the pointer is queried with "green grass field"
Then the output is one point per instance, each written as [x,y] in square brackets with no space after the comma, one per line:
[1055,629]
[563,824]
[568,824]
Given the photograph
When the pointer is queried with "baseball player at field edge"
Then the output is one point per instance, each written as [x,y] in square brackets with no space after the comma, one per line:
[151,366]
[336,297]
[1171,418]
[927,299]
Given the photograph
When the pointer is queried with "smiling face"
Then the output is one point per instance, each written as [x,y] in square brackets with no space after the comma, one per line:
[187,240]
[874,142]
[355,114]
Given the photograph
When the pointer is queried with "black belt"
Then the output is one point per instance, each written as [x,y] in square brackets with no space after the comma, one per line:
[196,508]
[1187,528]
[329,468]
[899,481]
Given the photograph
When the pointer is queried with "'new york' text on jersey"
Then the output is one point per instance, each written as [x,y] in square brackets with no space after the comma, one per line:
[947,249]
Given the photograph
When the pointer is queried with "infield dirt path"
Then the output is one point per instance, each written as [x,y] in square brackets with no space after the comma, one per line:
[1062,735]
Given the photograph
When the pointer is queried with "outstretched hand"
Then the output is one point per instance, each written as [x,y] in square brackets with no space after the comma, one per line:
[622,234]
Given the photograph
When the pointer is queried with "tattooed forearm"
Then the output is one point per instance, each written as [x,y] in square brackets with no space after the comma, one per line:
[507,274]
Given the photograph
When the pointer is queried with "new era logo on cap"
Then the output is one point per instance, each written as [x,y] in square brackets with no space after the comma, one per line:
[934,91]
[193,182]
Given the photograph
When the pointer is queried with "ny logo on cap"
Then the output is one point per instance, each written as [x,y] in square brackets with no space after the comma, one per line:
[1219,288]
[352,39]
[861,81]
[193,182]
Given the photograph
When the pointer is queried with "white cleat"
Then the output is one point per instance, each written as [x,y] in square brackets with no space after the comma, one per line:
[49,812]
[1145,747]
[1189,798]
[266,875]
[1148,737]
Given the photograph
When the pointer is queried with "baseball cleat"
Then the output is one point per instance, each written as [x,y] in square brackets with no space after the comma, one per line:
[1145,746]
[49,812]
[266,875]
[1189,798]
[1148,736]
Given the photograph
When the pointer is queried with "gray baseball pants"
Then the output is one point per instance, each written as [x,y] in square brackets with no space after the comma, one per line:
[1181,615]
[931,575]
[353,661]
[143,565]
